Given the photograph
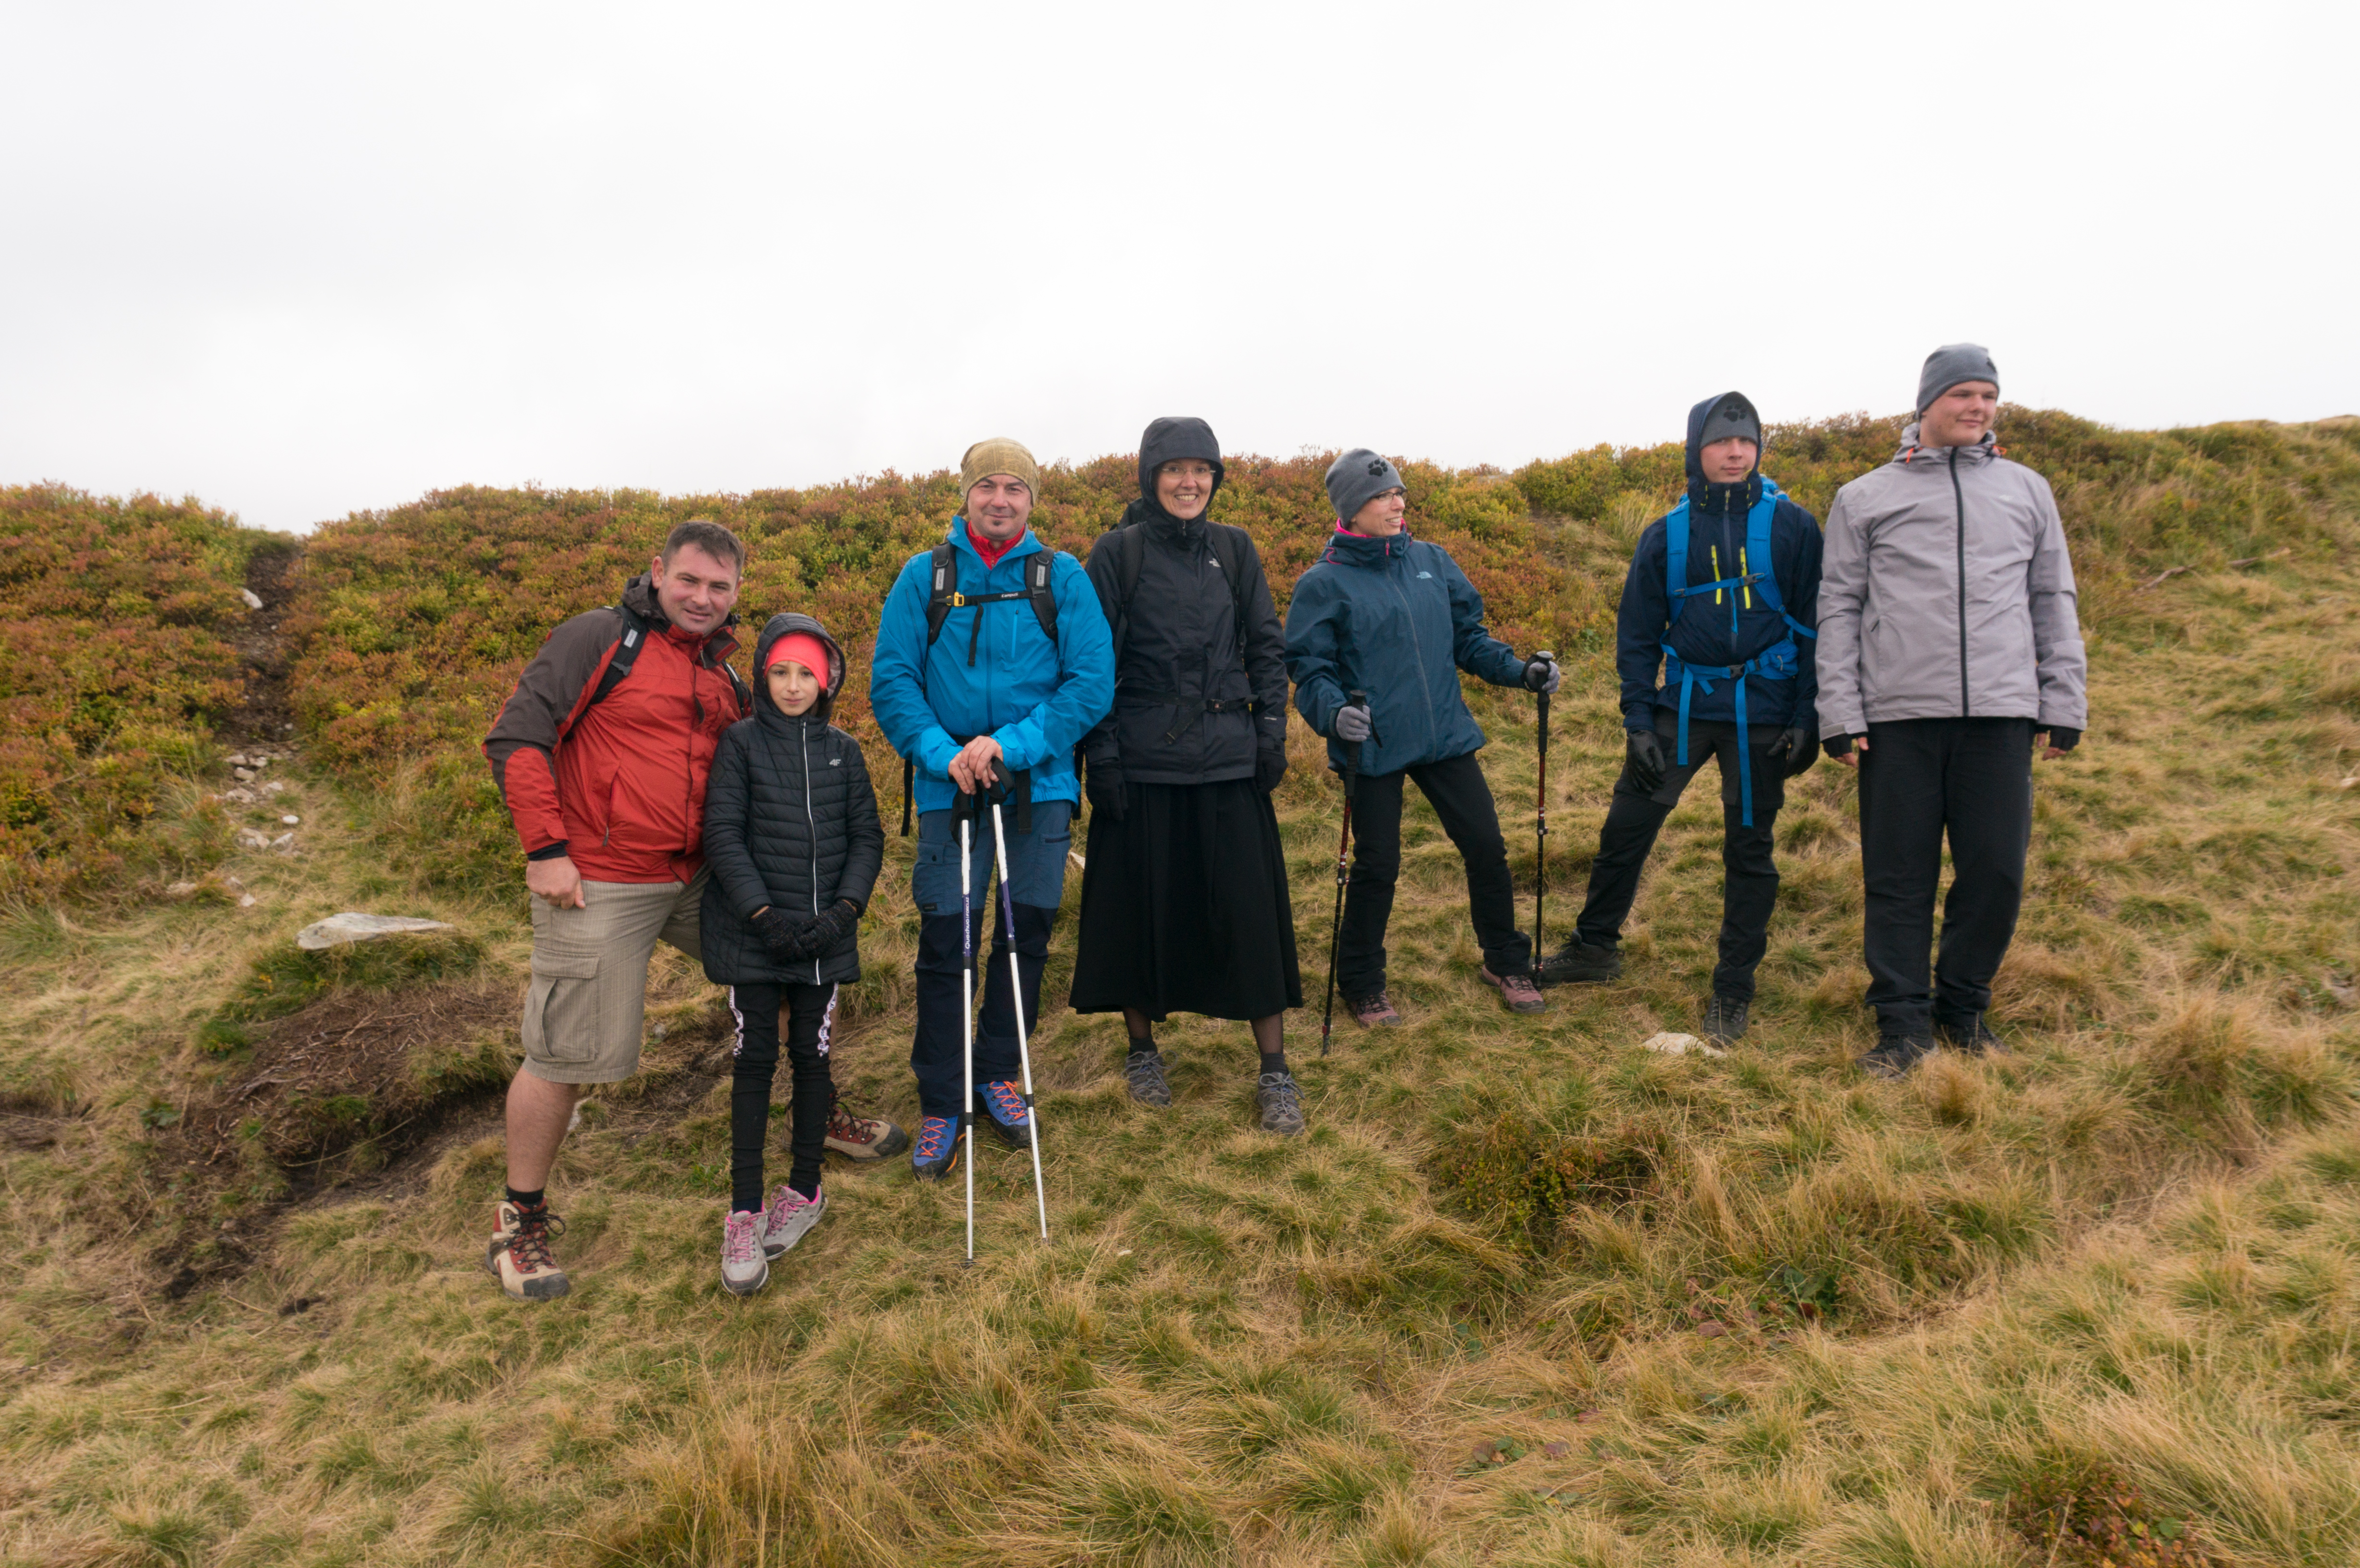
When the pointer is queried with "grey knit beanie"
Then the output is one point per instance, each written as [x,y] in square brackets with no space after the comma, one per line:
[1732,419]
[1948,365]
[1356,478]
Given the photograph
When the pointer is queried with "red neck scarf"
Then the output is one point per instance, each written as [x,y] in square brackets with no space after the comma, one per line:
[990,551]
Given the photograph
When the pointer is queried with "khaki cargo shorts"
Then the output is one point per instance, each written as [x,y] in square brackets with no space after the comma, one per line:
[587,1004]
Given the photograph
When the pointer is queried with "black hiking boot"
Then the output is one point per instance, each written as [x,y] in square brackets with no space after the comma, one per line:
[1896,1055]
[1973,1037]
[1721,1020]
[1579,963]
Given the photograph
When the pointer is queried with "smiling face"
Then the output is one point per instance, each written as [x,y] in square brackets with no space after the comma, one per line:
[792,688]
[1727,461]
[997,507]
[1960,416]
[695,591]
[1184,487]
[1382,515]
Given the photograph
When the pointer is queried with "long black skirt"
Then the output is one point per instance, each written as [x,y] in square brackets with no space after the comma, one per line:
[1184,907]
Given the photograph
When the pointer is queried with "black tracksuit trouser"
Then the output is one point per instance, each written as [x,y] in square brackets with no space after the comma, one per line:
[1456,789]
[1749,875]
[1922,780]
[811,1018]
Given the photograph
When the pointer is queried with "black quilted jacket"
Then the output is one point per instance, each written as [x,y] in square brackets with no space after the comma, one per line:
[789,821]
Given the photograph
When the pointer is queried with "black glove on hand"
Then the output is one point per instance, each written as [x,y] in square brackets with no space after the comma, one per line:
[1270,766]
[1352,724]
[820,935]
[1104,783]
[777,932]
[1645,756]
[2062,738]
[1841,745]
[1793,750]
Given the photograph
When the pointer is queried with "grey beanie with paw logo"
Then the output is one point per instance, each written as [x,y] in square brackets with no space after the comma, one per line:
[1356,478]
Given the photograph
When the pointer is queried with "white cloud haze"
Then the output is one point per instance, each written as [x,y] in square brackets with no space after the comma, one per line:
[301,260]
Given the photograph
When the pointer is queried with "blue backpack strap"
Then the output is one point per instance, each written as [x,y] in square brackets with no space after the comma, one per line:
[1676,562]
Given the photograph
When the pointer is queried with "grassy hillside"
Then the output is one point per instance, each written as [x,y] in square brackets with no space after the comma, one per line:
[1527,1294]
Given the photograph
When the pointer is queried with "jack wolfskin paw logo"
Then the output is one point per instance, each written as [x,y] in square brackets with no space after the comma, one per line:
[1377,467]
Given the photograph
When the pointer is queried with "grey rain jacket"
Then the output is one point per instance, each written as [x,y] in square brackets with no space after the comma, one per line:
[789,821]
[1945,592]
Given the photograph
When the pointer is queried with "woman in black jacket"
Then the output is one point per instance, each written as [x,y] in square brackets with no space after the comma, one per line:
[791,835]
[1184,905]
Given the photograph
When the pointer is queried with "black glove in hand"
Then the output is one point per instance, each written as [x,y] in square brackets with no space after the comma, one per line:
[777,932]
[820,935]
[1270,766]
[1104,784]
[1644,754]
[2063,739]
[1792,749]
[1352,724]
[1841,745]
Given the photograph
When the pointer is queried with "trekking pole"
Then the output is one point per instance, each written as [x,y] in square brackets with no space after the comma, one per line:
[1540,832]
[1016,995]
[1343,875]
[964,811]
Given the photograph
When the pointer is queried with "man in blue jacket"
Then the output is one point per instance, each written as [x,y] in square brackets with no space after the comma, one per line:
[1006,661]
[1733,647]
[1381,613]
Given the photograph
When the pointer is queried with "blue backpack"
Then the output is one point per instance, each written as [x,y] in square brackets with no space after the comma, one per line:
[1779,661]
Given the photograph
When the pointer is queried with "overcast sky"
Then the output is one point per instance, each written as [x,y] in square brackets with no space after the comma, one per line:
[303,260]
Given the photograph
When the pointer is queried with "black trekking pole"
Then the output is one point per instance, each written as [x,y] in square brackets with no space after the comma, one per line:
[1343,875]
[1540,830]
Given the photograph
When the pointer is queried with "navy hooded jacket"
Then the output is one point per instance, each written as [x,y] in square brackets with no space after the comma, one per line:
[1716,529]
[1396,618]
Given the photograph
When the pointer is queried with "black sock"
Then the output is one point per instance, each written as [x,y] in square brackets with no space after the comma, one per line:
[806,1187]
[1274,1061]
[532,1200]
[1145,1043]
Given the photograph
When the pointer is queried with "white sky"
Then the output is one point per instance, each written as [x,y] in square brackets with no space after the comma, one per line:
[304,258]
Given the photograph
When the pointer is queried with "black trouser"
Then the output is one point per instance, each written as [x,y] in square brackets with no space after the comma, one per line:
[1456,790]
[810,1017]
[1749,876]
[1971,778]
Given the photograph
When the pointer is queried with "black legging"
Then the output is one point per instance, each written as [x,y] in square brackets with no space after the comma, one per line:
[1456,789]
[810,1017]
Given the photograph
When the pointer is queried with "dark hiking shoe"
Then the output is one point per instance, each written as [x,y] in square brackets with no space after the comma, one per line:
[519,1257]
[1973,1037]
[1011,1118]
[1517,992]
[864,1138]
[1372,1012]
[1143,1074]
[1280,1104]
[1579,963]
[1723,1020]
[1896,1055]
[937,1149]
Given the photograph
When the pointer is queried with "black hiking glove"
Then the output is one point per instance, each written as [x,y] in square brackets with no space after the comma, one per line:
[1104,785]
[2062,739]
[777,932]
[820,935]
[1270,766]
[1841,745]
[1644,754]
[1792,749]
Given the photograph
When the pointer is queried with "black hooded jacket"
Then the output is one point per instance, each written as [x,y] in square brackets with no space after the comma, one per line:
[790,822]
[1716,535]
[1177,644]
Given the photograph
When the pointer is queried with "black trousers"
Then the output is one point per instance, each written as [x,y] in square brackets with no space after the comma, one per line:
[1922,780]
[1749,876]
[811,1019]
[1457,791]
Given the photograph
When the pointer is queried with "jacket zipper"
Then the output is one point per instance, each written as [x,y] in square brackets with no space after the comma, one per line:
[1959,497]
[811,836]
[1417,645]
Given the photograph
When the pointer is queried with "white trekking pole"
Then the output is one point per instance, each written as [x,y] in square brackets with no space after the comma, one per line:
[1016,997]
[965,812]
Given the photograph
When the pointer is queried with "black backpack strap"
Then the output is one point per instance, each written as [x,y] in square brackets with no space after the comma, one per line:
[1130,555]
[941,592]
[1230,549]
[1040,568]
[625,654]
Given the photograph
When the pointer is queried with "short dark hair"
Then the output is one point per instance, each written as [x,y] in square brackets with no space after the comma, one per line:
[708,536]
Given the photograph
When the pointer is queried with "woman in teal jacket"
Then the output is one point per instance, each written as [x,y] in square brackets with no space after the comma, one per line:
[1392,616]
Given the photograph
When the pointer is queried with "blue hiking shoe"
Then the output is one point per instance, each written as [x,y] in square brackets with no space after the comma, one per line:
[937,1149]
[1011,1118]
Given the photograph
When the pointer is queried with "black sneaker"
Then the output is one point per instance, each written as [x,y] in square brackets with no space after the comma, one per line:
[1973,1037]
[1896,1055]
[1724,1019]
[1143,1074]
[1579,963]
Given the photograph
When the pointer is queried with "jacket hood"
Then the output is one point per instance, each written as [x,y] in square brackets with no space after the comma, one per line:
[1982,450]
[1366,549]
[774,629]
[1707,497]
[1167,441]
[640,598]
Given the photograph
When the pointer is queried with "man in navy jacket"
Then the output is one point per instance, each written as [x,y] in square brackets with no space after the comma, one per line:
[1723,668]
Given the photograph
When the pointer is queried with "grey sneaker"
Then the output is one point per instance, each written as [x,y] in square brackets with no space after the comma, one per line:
[1723,1020]
[1143,1074]
[744,1269]
[790,1218]
[1280,1104]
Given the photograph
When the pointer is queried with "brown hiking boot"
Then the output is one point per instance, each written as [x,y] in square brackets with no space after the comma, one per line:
[1372,1012]
[1517,992]
[519,1258]
[864,1138]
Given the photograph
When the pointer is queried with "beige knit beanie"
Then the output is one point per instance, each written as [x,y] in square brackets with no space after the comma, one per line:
[998,455]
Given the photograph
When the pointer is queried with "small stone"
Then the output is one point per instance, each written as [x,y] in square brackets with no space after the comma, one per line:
[232,882]
[284,843]
[179,889]
[274,787]
[253,600]
[238,794]
[243,775]
[248,902]
[351,926]
[291,822]
[1679,1045]
[236,760]
[253,838]
[1556,1450]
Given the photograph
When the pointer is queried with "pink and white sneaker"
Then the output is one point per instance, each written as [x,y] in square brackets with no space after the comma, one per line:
[790,1217]
[745,1267]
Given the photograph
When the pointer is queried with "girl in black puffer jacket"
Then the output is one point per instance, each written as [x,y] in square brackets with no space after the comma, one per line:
[793,837]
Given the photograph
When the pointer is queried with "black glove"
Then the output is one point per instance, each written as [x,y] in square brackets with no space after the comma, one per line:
[820,935]
[1104,783]
[777,932]
[1841,746]
[1270,766]
[2062,738]
[1792,749]
[1644,754]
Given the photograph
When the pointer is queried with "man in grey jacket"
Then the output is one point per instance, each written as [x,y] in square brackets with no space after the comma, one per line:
[1948,639]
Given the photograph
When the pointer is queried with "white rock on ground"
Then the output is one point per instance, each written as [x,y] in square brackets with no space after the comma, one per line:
[253,600]
[352,926]
[284,843]
[1680,1045]
[179,889]
[253,838]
